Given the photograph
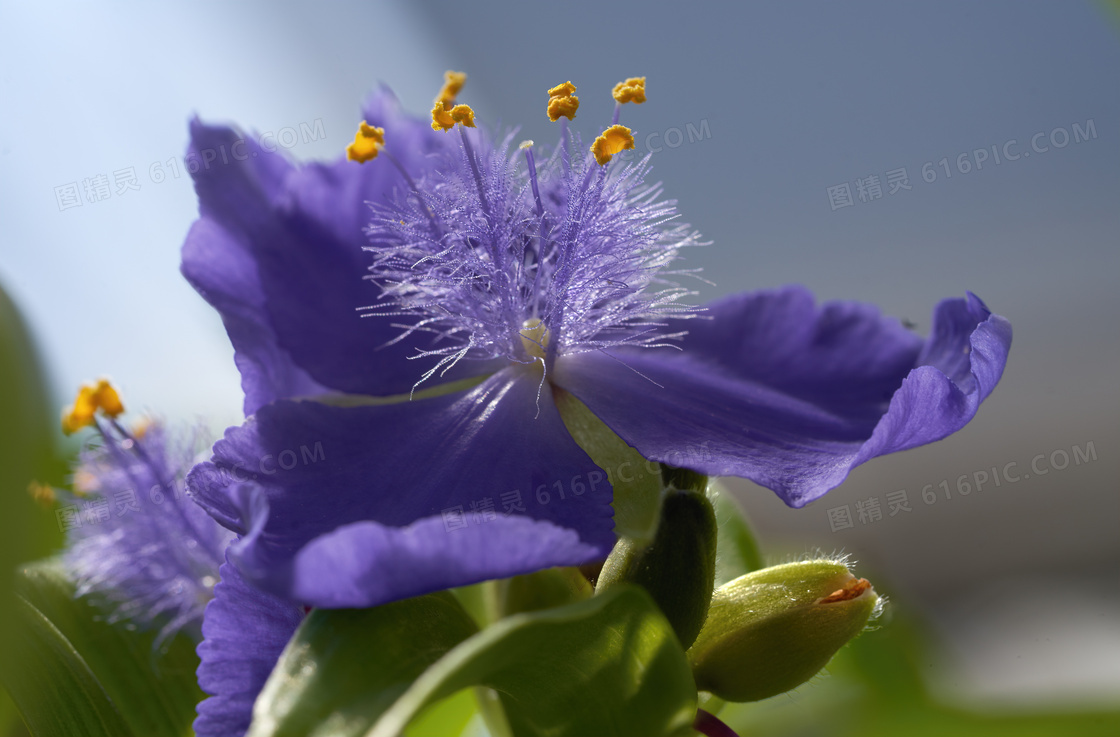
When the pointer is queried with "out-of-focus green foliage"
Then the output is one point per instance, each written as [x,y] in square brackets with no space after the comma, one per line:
[27,453]
[75,673]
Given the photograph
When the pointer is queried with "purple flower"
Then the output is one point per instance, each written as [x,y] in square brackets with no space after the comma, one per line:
[135,538]
[485,286]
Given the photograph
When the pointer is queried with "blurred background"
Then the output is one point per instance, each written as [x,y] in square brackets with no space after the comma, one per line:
[890,153]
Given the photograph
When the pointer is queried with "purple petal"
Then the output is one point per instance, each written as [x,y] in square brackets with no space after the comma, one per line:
[370,562]
[245,631]
[220,267]
[278,251]
[793,396]
[387,475]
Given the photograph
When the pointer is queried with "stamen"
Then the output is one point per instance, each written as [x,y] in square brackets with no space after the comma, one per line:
[444,117]
[42,494]
[445,113]
[452,85]
[85,483]
[463,115]
[562,102]
[415,191]
[565,143]
[441,116]
[101,396]
[368,142]
[140,427]
[527,147]
[632,90]
[610,142]
[551,268]
[475,171]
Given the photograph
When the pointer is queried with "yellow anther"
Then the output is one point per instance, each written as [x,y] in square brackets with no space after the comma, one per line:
[141,426]
[534,337]
[562,90]
[85,483]
[525,144]
[613,140]
[463,115]
[101,396]
[444,118]
[562,100]
[566,106]
[368,142]
[632,90]
[41,493]
[452,85]
[107,398]
[81,413]
[441,117]
[445,113]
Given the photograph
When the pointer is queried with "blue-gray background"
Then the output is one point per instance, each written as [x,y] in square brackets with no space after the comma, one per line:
[784,101]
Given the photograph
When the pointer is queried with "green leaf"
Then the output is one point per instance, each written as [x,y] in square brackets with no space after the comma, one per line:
[53,687]
[152,691]
[344,667]
[10,722]
[610,665]
[636,481]
[736,550]
[26,454]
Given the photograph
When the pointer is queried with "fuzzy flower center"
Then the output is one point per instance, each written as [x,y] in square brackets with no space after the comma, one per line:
[496,256]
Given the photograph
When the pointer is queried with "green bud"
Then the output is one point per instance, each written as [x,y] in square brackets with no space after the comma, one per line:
[771,630]
[678,567]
